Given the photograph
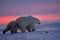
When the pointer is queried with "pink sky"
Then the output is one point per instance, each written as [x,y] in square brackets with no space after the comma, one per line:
[45,10]
[7,19]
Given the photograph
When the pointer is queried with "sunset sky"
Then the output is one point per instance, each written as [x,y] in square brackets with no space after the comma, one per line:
[45,10]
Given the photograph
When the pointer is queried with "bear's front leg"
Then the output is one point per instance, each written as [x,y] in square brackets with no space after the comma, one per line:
[30,28]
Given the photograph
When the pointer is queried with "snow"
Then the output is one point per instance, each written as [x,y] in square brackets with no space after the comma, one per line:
[41,33]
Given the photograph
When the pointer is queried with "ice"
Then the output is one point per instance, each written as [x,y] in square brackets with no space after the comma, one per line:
[41,33]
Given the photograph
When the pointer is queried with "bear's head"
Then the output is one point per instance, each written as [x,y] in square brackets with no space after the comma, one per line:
[34,20]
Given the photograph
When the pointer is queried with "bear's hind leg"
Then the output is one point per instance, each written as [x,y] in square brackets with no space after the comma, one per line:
[22,29]
[14,31]
[7,29]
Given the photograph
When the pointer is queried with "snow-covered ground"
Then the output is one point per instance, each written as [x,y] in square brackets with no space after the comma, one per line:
[41,33]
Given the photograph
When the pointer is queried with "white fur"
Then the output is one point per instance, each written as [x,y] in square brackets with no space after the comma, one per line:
[23,22]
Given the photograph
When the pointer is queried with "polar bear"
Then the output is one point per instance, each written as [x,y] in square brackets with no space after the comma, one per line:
[27,23]
[22,23]
[11,27]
